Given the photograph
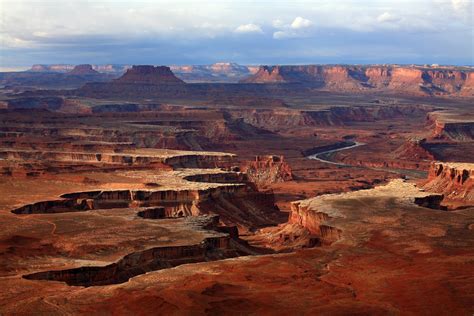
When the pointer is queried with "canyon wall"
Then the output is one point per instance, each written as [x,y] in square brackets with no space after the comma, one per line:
[452,126]
[344,78]
[454,180]
[314,222]
[237,204]
[277,119]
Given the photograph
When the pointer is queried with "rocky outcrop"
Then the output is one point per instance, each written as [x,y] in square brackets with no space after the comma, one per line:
[149,75]
[454,180]
[460,131]
[408,79]
[266,74]
[314,222]
[468,87]
[451,126]
[265,170]
[278,119]
[130,158]
[414,149]
[240,204]
[83,70]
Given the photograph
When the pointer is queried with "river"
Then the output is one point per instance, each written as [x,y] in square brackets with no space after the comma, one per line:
[324,157]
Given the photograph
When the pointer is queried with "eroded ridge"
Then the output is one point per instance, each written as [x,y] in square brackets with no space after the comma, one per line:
[237,203]
[140,262]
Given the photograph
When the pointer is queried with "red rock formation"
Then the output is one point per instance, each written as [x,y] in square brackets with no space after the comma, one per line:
[379,77]
[266,74]
[447,80]
[413,149]
[406,79]
[266,170]
[468,87]
[411,79]
[454,180]
[82,70]
[314,222]
[341,77]
[452,126]
[149,75]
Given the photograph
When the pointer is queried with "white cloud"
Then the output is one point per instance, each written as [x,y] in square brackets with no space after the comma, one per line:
[49,27]
[14,42]
[248,28]
[461,5]
[300,23]
[300,27]
[278,23]
[387,17]
[279,35]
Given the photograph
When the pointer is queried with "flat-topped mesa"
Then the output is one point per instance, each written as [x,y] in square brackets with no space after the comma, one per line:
[390,78]
[454,126]
[454,180]
[232,201]
[51,68]
[286,74]
[82,70]
[150,75]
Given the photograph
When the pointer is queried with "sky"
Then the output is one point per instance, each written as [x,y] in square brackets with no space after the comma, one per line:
[246,32]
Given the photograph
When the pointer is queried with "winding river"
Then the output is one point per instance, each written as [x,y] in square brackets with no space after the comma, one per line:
[325,157]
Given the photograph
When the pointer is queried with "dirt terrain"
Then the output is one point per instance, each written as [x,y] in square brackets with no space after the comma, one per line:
[147,194]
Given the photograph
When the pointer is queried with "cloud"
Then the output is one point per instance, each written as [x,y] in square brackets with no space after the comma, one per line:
[15,42]
[387,17]
[278,23]
[40,31]
[300,23]
[248,28]
[279,35]
[297,29]
[461,5]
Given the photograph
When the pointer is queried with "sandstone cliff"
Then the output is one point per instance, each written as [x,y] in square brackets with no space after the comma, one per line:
[454,180]
[452,126]
[409,79]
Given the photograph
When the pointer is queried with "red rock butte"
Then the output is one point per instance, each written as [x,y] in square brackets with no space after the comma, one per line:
[149,75]
[83,70]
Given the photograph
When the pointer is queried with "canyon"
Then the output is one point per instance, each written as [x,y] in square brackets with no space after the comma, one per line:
[317,189]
